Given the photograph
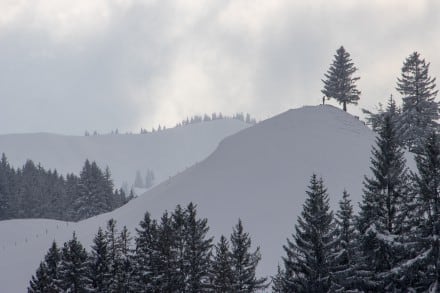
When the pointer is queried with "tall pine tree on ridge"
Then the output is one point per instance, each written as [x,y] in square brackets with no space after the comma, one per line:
[339,82]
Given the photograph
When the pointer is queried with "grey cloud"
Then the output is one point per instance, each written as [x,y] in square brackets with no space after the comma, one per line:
[159,61]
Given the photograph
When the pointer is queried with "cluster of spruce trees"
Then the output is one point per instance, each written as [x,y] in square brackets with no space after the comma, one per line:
[392,245]
[174,254]
[33,192]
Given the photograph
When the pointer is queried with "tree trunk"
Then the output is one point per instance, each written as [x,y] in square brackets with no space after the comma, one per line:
[344,106]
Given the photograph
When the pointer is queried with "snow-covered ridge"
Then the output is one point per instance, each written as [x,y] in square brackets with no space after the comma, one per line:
[258,174]
[166,152]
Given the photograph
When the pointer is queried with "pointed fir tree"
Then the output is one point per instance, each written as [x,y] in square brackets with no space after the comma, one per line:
[383,210]
[244,262]
[99,263]
[74,275]
[344,267]
[123,279]
[309,256]
[420,111]
[52,261]
[220,272]
[114,253]
[197,251]
[339,82]
[145,259]
[178,219]
[71,196]
[145,264]
[40,283]
[168,276]
[47,274]
[420,271]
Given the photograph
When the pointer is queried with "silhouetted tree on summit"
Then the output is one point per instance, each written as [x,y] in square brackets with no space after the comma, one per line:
[339,82]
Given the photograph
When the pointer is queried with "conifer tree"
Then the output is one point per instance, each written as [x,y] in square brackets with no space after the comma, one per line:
[72,195]
[40,283]
[421,269]
[99,263]
[244,262]
[111,199]
[339,82]
[420,111]
[344,268]
[114,253]
[383,208]
[123,279]
[52,261]
[197,251]
[179,219]
[74,275]
[167,261]
[95,192]
[221,276]
[146,256]
[47,274]
[310,255]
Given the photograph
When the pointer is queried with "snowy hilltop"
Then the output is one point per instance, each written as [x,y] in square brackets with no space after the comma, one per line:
[259,174]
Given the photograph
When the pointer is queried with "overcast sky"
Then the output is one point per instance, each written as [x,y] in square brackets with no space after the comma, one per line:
[67,66]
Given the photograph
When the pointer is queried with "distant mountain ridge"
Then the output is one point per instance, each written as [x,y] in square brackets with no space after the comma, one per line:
[165,153]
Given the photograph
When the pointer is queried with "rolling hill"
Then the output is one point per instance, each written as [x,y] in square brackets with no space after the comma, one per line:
[259,174]
[165,152]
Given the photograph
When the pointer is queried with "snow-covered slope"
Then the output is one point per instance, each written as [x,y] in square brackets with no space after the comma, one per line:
[259,174]
[166,152]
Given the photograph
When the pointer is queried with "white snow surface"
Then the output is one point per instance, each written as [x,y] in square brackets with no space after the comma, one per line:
[165,152]
[259,174]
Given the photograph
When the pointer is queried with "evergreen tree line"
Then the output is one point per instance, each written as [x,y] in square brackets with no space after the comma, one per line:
[33,192]
[392,245]
[174,254]
[247,118]
[217,116]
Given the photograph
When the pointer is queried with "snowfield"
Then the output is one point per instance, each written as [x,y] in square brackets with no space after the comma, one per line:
[259,174]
